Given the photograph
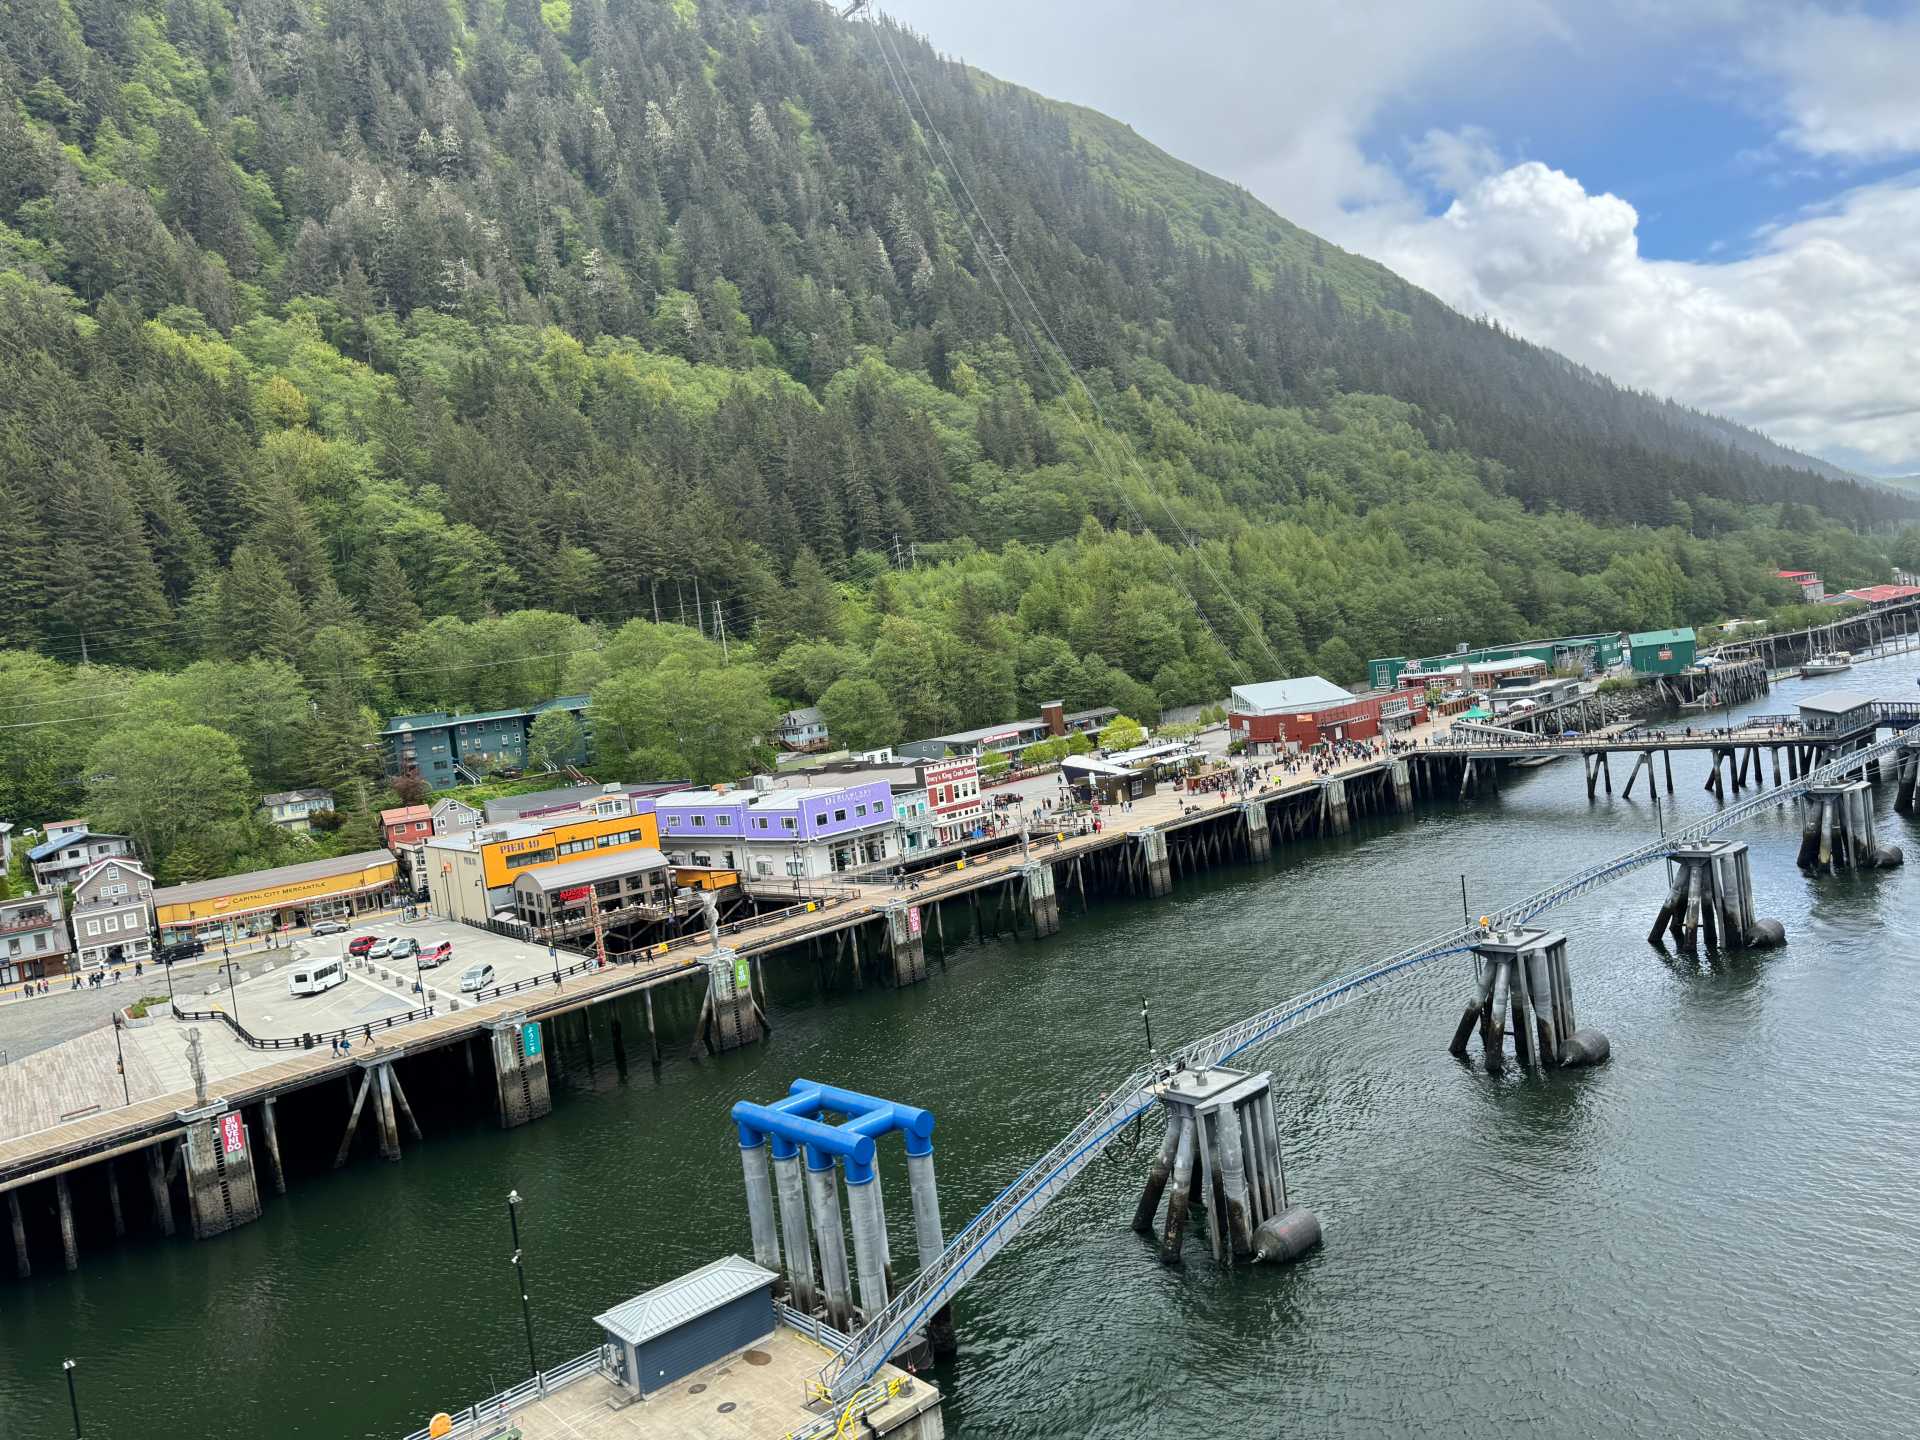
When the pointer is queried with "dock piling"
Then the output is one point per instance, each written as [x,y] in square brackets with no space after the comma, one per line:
[161,1191]
[1224,1119]
[22,1265]
[1526,972]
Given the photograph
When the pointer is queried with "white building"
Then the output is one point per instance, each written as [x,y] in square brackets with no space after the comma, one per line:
[451,816]
[112,916]
[70,847]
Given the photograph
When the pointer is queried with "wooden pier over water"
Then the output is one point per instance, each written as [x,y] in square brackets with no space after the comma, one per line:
[217,1152]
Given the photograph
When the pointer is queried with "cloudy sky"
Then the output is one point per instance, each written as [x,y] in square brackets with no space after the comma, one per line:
[1713,199]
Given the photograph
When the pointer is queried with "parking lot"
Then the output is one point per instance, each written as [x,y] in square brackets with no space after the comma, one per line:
[264,1006]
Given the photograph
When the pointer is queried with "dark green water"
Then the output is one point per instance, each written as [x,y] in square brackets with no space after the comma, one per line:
[1718,1234]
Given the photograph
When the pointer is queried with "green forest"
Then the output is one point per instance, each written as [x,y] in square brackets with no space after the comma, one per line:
[395,355]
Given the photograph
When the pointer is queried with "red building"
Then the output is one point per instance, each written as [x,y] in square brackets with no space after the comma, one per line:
[953,794]
[1308,711]
[406,825]
[1879,597]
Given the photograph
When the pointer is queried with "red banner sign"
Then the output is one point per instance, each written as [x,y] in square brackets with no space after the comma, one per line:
[233,1136]
[913,920]
[577,892]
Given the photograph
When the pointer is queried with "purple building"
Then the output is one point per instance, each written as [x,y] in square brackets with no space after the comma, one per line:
[814,833]
[703,827]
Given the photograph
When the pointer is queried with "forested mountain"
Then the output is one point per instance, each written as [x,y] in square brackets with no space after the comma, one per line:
[331,334]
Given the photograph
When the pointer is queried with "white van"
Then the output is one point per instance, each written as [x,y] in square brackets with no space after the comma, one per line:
[313,979]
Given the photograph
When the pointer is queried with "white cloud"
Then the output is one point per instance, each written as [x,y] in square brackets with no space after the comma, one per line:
[1452,160]
[1813,335]
[1277,97]
[1848,81]
[1812,338]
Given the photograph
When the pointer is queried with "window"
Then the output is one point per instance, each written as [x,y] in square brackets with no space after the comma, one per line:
[859,810]
[699,821]
[837,815]
[787,822]
[93,927]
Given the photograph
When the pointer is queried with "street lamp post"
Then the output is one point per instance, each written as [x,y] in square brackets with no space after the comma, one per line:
[120,1060]
[73,1398]
[233,994]
[520,1277]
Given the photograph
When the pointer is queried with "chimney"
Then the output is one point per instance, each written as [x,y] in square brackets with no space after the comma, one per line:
[1054,712]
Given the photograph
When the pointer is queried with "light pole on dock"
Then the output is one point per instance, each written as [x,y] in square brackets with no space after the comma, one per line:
[73,1398]
[1147,1021]
[520,1276]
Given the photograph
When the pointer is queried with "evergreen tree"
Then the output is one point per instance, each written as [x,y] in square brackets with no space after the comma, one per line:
[104,590]
[388,602]
[259,613]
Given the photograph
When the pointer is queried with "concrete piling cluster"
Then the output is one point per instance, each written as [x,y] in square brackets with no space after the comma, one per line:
[222,1189]
[730,1016]
[1043,898]
[794,1219]
[1836,830]
[1222,1153]
[1152,843]
[905,943]
[520,1071]
[1524,974]
[1710,890]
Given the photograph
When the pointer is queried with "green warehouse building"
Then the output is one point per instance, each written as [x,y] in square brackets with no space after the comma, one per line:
[1660,652]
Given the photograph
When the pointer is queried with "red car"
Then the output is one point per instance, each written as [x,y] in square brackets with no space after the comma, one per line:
[360,944]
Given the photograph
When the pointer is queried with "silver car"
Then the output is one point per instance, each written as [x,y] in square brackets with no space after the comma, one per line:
[382,949]
[403,947]
[475,978]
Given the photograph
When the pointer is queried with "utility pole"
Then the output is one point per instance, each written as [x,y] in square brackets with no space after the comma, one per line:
[654,586]
[720,629]
[680,599]
[699,616]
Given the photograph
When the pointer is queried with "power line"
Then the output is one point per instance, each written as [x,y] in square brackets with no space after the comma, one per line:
[890,57]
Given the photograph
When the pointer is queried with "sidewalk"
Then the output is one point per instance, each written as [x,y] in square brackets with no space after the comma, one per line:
[154,974]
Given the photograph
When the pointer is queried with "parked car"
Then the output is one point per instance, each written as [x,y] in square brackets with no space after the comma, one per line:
[328,927]
[361,944]
[475,978]
[436,955]
[405,947]
[382,948]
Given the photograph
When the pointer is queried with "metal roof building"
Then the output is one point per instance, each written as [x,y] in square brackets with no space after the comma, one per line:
[569,873]
[687,1324]
[1283,697]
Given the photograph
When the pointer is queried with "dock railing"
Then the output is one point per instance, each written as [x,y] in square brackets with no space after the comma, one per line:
[489,1416]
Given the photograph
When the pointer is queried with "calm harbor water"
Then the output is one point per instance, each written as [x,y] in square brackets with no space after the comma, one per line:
[1714,1235]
